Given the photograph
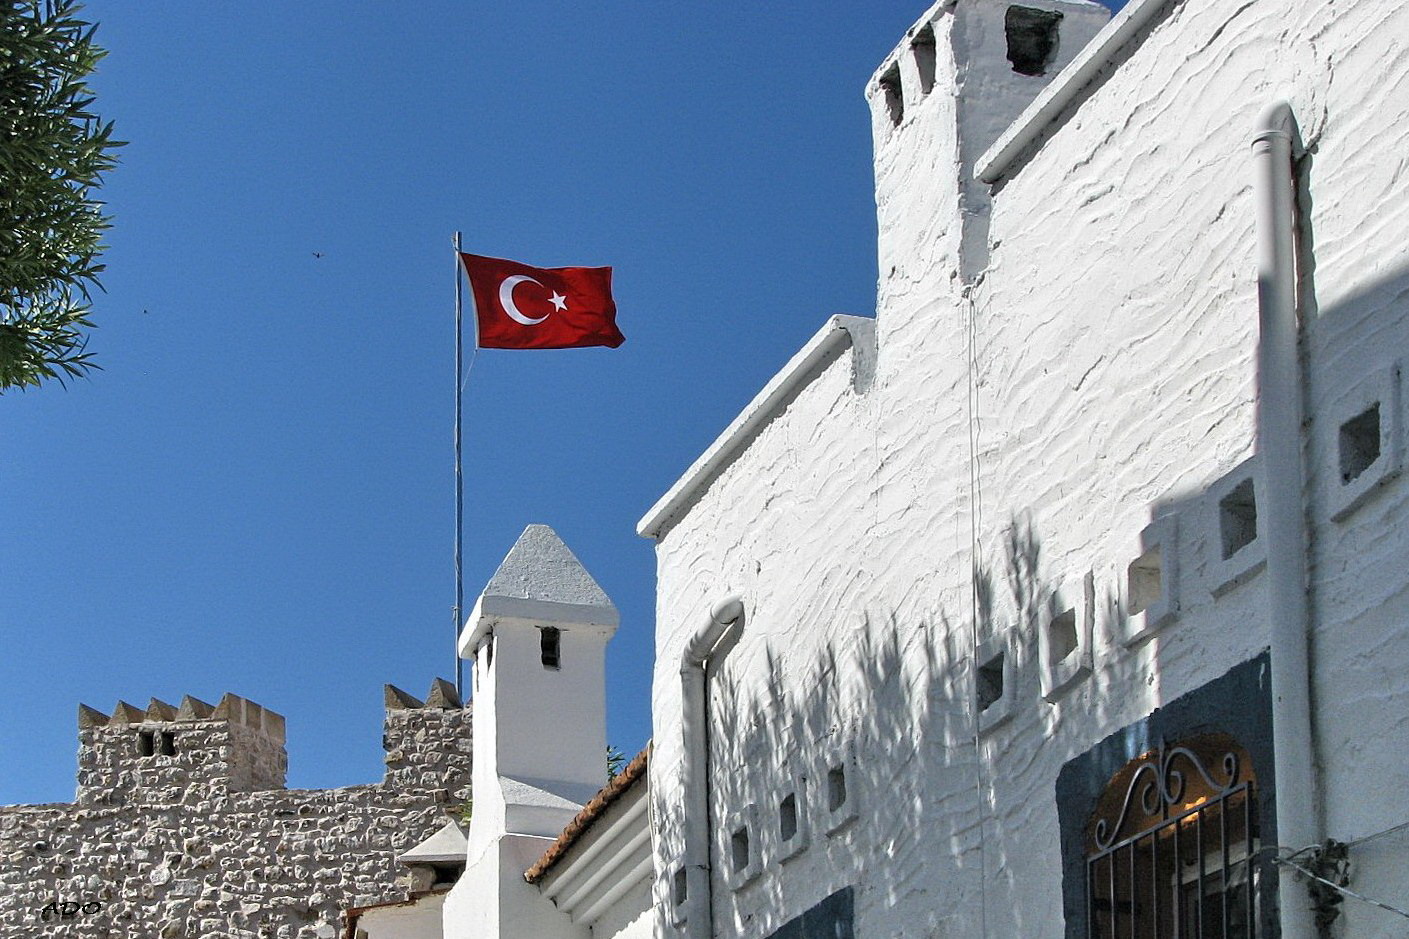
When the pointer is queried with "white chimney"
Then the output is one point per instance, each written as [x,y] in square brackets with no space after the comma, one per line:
[537,636]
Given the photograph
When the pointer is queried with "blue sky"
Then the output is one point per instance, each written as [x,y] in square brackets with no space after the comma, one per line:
[256,493]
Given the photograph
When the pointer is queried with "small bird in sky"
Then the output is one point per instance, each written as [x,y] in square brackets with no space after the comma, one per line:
[318,254]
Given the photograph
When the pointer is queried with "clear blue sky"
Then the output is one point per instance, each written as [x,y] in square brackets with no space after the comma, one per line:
[256,493]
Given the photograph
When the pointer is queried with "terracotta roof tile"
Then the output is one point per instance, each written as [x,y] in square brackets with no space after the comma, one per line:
[632,773]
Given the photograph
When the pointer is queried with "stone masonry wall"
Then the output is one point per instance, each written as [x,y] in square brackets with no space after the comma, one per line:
[205,842]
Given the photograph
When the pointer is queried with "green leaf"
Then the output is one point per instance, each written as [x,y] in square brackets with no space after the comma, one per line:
[53,154]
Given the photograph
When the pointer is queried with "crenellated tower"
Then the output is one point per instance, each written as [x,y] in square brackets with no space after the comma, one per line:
[428,743]
[157,754]
[183,825]
[960,77]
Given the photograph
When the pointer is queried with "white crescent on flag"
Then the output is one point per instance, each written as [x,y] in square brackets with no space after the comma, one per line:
[506,300]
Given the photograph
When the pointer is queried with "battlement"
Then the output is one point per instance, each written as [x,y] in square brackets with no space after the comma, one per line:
[183,823]
[153,755]
[428,743]
[958,79]
[232,707]
[442,697]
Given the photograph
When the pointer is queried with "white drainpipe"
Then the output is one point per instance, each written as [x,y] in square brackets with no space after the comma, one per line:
[1279,439]
[725,620]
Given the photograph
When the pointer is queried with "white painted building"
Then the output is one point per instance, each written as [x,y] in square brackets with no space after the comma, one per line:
[1065,596]
[1077,511]
[550,853]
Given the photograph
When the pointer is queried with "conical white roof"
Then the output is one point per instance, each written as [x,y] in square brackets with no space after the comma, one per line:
[540,567]
[540,582]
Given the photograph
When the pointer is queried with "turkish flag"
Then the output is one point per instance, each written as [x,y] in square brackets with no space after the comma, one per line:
[522,307]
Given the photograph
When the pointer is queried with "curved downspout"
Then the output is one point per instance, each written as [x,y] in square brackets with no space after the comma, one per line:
[1279,439]
[725,620]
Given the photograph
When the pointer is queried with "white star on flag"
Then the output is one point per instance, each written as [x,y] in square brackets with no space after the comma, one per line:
[559,301]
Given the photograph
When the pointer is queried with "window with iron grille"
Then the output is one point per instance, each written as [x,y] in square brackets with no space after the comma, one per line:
[1171,845]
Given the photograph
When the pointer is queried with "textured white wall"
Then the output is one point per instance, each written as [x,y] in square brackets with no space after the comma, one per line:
[418,921]
[1113,381]
[552,722]
[491,900]
[1360,589]
[631,917]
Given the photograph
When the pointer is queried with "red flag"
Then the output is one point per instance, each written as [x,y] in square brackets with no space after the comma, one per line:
[522,307]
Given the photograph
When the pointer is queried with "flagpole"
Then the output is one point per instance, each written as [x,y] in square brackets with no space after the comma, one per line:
[459,477]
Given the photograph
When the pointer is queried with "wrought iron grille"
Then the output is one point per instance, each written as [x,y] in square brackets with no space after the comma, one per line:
[1176,860]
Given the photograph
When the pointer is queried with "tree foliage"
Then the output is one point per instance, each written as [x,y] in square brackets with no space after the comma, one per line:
[54,151]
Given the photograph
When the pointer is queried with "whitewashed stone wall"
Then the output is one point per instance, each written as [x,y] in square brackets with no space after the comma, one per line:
[420,919]
[207,843]
[630,917]
[1021,432]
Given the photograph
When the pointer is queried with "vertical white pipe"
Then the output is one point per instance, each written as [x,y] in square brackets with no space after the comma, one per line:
[727,618]
[1283,515]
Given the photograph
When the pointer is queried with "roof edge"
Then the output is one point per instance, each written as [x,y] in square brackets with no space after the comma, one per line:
[630,775]
[840,332]
[491,611]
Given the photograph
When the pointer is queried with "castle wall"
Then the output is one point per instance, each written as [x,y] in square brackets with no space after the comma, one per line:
[198,844]
[212,757]
[885,540]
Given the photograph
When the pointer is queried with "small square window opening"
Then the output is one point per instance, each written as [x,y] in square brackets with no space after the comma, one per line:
[787,817]
[836,788]
[167,743]
[146,743]
[1061,635]
[922,47]
[679,888]
[1145,581]
[895,101]
[1032,38]
[1237,518]
[549,642]
[1359,443]
[990,682]
[739,848]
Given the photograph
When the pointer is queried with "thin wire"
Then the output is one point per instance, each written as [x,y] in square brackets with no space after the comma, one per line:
[1291,855]
[474,354]
[1379,834]
[971,399]
[1288,862]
